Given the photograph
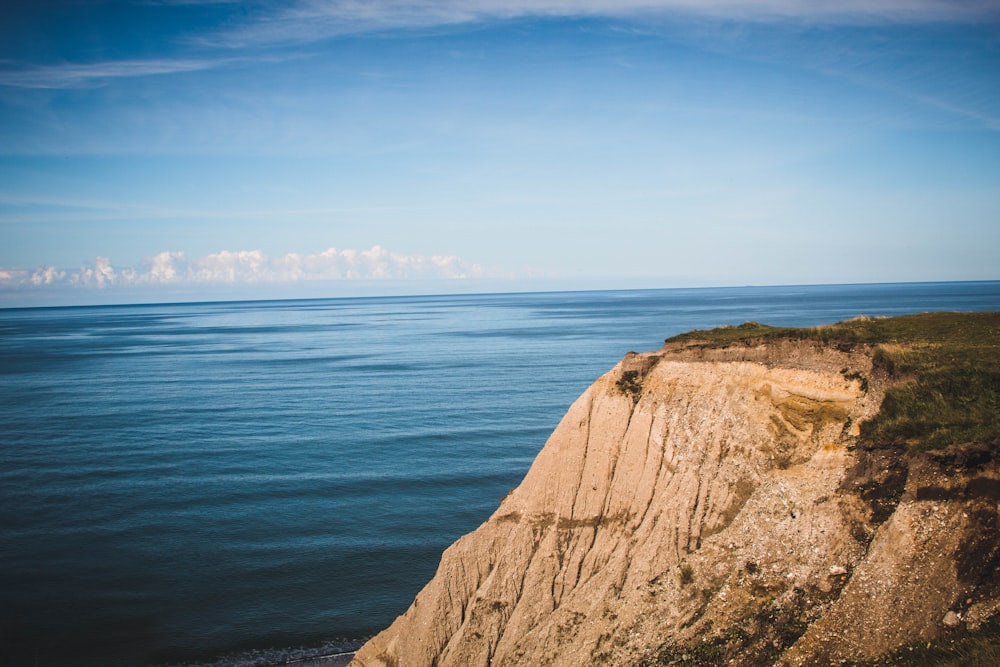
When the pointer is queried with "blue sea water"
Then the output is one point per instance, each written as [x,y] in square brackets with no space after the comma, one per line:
[180,483]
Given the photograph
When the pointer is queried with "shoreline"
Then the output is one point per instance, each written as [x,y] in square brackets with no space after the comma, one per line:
[332,660]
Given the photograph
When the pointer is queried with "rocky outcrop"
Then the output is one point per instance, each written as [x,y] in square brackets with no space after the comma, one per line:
[713,504]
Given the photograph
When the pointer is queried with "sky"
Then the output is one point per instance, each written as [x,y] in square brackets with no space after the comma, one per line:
[157,150]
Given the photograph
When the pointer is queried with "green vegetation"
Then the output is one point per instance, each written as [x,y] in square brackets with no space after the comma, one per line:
[630,383]
[944,369]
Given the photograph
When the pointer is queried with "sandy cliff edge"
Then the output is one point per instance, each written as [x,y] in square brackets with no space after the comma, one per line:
[709,504]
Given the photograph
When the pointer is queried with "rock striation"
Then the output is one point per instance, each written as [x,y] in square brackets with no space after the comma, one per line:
[713,505]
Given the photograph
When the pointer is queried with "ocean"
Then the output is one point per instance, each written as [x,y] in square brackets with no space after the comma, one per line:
[251,483]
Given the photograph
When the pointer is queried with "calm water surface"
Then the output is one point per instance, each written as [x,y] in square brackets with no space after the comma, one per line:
[184,482]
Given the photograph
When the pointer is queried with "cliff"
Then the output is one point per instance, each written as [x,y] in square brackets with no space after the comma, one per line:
[716,502]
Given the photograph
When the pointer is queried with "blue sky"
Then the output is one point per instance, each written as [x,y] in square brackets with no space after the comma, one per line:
[186,149]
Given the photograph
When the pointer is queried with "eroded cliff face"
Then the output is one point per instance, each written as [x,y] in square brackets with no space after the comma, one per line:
[710,501]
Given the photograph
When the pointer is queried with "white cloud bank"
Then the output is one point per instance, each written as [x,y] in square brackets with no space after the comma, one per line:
[246,267]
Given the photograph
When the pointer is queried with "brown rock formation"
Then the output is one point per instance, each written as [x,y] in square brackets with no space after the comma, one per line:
[712,503]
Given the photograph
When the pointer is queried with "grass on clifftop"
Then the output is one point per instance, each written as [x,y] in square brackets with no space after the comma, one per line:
[945,368]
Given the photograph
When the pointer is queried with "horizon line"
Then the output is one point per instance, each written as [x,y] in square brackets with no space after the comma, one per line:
[445,294]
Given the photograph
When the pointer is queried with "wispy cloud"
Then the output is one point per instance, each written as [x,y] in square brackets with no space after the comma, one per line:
[304,22]
[314,20]
[246,267]
[78,75]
